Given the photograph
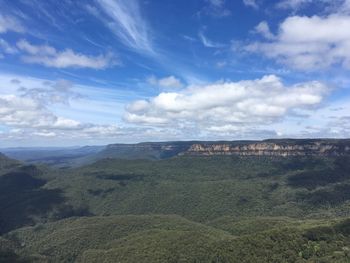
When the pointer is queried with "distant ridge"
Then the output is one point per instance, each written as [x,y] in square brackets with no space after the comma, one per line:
[68,157]
[269,147]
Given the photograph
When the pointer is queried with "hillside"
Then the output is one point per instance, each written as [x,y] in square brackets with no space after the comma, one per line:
[184,208]
[175,239]
[203,188]
[7,163]
[24,200]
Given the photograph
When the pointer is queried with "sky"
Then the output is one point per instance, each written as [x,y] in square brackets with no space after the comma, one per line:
[92,72]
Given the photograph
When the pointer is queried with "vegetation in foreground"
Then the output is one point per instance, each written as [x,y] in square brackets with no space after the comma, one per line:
[175,239]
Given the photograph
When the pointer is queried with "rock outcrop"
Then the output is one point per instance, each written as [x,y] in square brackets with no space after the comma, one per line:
[273,148]
[282,147]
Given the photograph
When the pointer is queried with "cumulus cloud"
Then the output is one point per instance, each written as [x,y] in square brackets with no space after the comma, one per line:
[308,43]
[251,109]
[9,23]
[48,56]
[30,107]
[167,82]
[29,114]
[25,112]
[227,106]
[38,109]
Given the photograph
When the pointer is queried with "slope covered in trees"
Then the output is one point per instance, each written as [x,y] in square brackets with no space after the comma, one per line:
[180,209]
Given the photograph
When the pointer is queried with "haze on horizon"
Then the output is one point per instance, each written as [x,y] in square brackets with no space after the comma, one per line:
[123,71]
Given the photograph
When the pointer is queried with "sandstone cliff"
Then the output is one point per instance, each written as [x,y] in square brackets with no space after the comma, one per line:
[282,147]
[272,148]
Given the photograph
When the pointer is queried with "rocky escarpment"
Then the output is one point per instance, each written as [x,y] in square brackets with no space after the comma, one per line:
[273,148]
[283,147]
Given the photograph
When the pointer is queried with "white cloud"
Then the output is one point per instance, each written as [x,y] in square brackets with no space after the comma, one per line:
[216,8]
[229,105]
[7,48]
[251,3]
[167,82]
[217,3]
[50,57]
[126,22]
[328,6]
[56,92]
[29,115]
[55,113]
[30,108]
[251,109]
[309,42]
[331,121]
[45,134]
[264,29]
[24,112]
[208,43]
[64,123]
[221,64]
[293,4]
[345,8]
[9,23]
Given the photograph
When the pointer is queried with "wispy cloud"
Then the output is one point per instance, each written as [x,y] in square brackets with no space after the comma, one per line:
[251,3]
[7,48]
[59,92]
[48,56]
[125,20]
[339,6]
[293,4]
[167,82]
[263,29]
[215,8]
[209,43]
[9,23]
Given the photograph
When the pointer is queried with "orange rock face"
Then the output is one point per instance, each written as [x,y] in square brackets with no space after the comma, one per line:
[269,149]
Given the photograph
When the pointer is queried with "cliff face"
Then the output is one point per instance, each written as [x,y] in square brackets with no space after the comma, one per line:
[317,148]
[283,147]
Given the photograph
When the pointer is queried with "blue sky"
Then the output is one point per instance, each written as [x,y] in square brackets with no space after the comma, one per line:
[103,71]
